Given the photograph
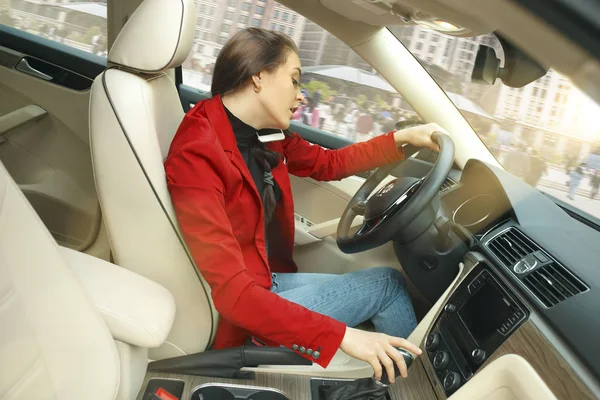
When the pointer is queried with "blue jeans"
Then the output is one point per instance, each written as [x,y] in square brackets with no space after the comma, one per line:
[376,294]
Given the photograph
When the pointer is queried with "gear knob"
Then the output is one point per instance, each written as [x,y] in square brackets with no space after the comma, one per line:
[408,359]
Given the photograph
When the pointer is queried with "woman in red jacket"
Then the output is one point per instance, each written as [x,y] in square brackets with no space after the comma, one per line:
[227,173]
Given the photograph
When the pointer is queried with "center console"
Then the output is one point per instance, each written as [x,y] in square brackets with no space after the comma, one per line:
[476,320]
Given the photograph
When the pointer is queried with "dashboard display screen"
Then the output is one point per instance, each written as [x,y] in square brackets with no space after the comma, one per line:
[485,312]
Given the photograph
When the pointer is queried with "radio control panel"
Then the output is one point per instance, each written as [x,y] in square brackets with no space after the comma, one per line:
[476,320]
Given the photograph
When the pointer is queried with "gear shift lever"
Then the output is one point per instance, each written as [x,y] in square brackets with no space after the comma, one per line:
[385,379]
[365,388]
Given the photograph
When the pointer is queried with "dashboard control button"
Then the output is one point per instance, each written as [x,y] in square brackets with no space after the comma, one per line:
[451,381]
[451,308]
[478,356]
[441,360]
[433,341]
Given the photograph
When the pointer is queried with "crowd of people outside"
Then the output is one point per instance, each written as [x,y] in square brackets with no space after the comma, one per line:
[577,171]
[344,116]
[528,164]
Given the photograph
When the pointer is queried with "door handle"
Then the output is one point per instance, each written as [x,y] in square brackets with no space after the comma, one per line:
[24,66]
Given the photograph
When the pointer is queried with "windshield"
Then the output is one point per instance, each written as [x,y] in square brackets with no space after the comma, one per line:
[545,133]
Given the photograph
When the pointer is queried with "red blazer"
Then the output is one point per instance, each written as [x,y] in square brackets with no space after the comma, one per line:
[221,216]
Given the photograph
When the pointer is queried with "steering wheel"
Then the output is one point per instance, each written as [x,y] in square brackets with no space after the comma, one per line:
[396,205]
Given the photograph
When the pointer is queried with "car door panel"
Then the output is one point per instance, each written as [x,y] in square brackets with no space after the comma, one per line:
[44,141]
[22,116]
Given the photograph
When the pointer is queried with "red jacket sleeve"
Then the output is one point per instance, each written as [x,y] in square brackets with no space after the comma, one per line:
[307,159]
[196,182]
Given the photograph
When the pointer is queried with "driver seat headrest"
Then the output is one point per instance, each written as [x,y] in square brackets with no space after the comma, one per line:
[158,36]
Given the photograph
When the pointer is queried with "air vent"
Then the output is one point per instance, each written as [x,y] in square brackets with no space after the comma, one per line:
[510,246]
[448,183]
[552,284]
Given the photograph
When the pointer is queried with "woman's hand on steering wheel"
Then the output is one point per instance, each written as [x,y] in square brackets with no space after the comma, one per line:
[389,212]
[378,349]
[419,136]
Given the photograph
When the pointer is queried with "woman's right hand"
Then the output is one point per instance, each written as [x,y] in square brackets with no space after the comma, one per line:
[378,349]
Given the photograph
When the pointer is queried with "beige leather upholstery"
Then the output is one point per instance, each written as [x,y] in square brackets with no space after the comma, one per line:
[509,377]
[133,118]
[136,310]
[138,313]
[53,344]
[158,36]
[133,362]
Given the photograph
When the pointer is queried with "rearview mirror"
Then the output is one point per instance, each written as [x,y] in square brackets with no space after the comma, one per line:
[519,69]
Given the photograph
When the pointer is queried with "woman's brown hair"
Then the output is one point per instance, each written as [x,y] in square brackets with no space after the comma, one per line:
[247,53]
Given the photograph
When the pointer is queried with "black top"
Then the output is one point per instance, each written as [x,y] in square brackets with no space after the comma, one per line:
[247,139]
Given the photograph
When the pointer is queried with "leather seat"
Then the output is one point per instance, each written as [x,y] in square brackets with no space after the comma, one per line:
[53,344]
[69,329]
[135,111]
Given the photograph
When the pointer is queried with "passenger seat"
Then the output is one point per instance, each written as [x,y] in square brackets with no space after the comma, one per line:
[72,326]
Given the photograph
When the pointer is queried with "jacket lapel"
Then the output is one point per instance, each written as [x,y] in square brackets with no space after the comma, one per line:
[215,112]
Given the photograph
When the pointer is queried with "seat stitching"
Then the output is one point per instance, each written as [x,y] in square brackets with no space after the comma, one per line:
[124,318]
[175,346]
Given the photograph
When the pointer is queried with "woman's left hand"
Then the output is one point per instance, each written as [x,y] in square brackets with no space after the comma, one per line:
[419,136]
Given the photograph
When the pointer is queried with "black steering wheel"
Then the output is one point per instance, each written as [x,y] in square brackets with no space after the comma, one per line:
[396,205]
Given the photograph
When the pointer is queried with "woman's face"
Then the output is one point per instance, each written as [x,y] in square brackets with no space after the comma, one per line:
[280,92]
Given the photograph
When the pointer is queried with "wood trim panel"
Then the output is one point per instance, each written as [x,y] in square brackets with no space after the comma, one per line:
[416,386]
[532,345]
[294,386]
[529,343]
[297,387]
[432,377]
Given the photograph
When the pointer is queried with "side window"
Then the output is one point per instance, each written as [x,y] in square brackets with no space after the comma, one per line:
[79,25]
[345,97]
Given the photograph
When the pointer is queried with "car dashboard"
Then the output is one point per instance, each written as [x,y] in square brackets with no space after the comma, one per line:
[528,287]
[517,320]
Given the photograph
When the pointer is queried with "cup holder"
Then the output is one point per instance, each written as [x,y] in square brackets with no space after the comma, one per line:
[212,392]
[215,391]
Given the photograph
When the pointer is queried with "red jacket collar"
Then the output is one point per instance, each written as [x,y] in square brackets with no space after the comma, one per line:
[215,113]
[213,110]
